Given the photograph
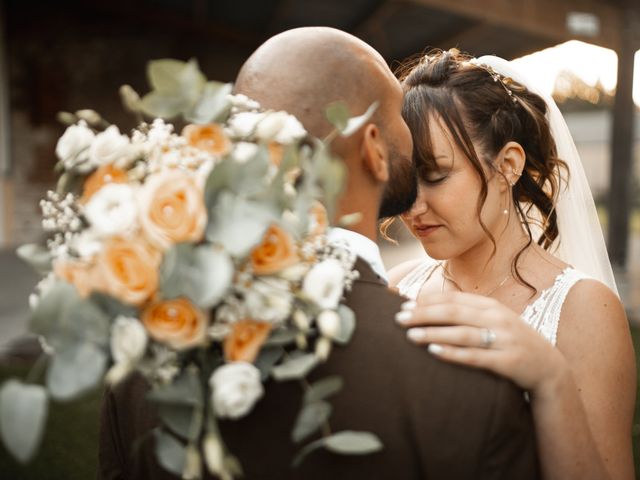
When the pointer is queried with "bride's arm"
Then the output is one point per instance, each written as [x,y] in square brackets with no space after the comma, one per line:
[593,336]
[582,393]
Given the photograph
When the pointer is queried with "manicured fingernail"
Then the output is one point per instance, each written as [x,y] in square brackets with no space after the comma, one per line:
[403,316]
[409,306]
[435,348]
[416,334]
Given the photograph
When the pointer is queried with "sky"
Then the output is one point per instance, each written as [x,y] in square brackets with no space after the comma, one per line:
[589,62]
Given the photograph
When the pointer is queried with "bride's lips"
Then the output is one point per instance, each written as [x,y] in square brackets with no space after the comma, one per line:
[425,230]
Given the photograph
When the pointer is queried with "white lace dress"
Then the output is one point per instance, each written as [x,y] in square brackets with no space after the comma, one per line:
[543,314]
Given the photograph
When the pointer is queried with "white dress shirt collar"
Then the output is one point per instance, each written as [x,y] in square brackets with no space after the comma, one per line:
[362,246]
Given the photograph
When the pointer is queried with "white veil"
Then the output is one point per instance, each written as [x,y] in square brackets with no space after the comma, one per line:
[580,242]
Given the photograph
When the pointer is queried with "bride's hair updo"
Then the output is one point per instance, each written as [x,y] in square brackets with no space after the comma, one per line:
[481,107]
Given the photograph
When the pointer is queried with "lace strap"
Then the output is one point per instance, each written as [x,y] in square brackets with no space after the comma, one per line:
[544,313]
[411,283]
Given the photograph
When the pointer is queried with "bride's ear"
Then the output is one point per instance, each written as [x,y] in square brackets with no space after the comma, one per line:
[374,153]
[510,162]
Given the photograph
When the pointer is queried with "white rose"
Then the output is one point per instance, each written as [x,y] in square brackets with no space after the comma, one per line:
[280,127]
[128,340]
[73,147]
[243,103]
[329,323]
[86,245]
[244,151]
[269,299]
[324,283]
[109,147]
[112,209]
[236,387]
[243,124]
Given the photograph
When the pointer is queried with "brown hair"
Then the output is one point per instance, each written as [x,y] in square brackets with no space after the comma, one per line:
[477,105]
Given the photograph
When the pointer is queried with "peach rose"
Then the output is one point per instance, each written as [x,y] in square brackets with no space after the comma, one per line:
[77,273]
[245,340]
[319,220]
[276,252]
[172,209]
[128,269]
[177,322]
[98,179]
[209,137]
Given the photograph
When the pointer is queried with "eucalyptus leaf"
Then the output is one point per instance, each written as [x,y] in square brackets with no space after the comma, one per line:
[202,273]
[179,419]
[281,337]
[170,452]
[267,358]
[295,368]
[238,224]
[347,325]
[174,77]
[244,179]
[323,389]
[306,451]
[37,256]
[75,370]
[356,123]
[70,182]
[338,115]
[213,104]
[23,414]
[161,105]
[310,419]
[353,443]
[184,390]
[111,306]
[64,318]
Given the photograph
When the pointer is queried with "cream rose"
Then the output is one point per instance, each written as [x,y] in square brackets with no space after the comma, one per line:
[177,323]
[109,147]
[210,138]
[236,387]
[128,340]
[112,210]
[172,208]
[73,147]
[101,177]
[324,283]
[128,269]
[280,127]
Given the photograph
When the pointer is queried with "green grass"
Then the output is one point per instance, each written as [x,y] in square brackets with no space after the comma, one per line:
[69,448]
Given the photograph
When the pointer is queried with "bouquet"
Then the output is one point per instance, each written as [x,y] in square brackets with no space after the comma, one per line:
[197,259]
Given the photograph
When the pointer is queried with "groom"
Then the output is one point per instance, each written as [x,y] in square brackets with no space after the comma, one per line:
[436,420]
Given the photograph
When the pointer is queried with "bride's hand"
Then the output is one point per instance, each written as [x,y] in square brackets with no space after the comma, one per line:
[481,332]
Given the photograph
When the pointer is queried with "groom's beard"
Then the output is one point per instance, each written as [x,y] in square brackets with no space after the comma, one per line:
[401,190]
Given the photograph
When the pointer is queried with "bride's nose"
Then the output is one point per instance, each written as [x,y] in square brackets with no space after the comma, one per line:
[419,207]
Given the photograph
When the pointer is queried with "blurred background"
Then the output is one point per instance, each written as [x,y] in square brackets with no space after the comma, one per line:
[69,55]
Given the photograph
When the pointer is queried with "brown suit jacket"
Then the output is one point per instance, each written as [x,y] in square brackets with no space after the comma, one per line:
[436,420]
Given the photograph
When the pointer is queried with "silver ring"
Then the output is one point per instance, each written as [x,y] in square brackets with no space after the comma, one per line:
[488,337]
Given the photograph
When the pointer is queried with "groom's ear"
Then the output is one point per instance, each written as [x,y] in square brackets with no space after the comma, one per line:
[510,162]
[374,153]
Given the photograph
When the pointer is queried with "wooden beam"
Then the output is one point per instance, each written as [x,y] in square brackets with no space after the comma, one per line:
[371,28]
[622,144]
[546,18]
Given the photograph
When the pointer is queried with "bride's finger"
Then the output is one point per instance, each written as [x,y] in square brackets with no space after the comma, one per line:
[455,336]
[474,357]
[448,314]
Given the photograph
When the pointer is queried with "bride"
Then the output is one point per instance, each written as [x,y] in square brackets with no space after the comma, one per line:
[505,212]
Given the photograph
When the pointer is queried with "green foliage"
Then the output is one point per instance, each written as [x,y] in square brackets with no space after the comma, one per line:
[169,452]
[75,370]
[37,256]
[201,273]
[23,413]
[310,419]
[323,389]
[184,390]
[295,368]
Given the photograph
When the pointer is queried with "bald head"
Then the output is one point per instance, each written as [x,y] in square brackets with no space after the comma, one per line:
[303,70]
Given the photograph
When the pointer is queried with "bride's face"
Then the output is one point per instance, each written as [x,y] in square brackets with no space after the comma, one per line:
[445,215]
